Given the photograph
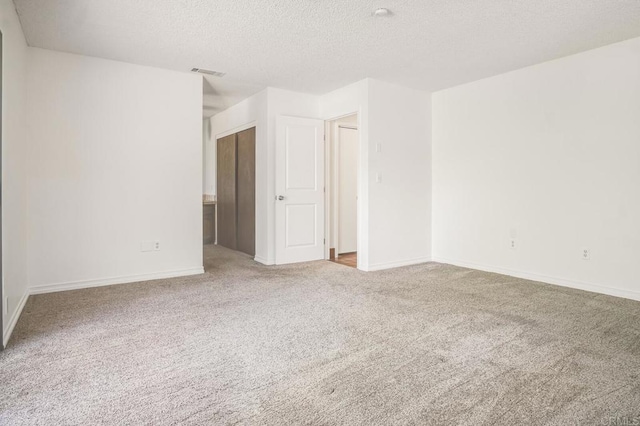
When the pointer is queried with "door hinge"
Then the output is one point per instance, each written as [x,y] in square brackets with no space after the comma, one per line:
[324,241]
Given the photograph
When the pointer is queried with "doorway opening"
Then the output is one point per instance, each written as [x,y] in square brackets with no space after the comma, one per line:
[342,190]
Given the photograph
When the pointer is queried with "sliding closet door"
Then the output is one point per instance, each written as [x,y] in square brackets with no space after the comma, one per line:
[247,191]
[226,191]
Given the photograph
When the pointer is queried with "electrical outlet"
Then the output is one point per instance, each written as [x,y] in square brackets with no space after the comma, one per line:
[149,246]
[512,243]
[585,254]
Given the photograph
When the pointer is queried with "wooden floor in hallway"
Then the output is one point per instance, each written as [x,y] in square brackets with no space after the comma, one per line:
[347,259]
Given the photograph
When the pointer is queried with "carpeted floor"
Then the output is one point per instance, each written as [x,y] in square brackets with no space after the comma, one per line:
[323,344]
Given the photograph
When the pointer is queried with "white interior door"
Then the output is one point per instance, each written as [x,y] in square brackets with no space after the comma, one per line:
[347,190]
[299,189]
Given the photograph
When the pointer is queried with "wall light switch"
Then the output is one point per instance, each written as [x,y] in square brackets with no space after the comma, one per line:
[378,177]
[378,147]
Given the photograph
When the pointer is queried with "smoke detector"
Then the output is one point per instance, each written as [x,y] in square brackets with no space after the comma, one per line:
[379,13]
[209,72]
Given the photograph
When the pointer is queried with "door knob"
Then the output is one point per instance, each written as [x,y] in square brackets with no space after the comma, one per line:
[280,197]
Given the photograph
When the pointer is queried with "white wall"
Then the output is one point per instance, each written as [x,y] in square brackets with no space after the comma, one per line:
[261,111]
[207,157]
[550,156]
[114,159]
[14,177]
[393,215]
[399,206]
[401,221]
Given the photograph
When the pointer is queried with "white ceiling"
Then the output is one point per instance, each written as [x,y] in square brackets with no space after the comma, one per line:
[316,46]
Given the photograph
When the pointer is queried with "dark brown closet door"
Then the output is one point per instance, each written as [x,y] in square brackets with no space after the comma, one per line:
[226,191]
[247,191]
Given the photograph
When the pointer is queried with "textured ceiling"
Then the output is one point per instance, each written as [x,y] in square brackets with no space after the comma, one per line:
[316,46]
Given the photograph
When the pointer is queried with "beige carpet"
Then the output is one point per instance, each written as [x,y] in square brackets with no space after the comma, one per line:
[323,344]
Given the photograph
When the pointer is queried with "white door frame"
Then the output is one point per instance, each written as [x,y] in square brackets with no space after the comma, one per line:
[331,134]
[336,177]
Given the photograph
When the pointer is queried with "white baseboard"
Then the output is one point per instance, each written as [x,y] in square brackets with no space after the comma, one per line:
[14,319]
[595,288]
[397,264]
[76,285]
[264,261]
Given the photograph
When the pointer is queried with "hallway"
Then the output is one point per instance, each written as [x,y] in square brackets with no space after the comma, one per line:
[347,259]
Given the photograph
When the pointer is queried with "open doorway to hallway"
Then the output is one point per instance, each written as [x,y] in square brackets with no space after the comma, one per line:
[342,190]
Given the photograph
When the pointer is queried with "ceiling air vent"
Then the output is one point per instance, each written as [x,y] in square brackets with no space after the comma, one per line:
[209,72]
